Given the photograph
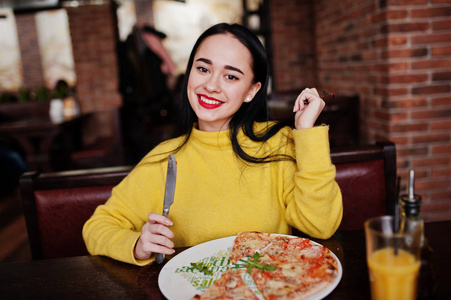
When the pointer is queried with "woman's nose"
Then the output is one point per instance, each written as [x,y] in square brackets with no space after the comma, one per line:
[213,84]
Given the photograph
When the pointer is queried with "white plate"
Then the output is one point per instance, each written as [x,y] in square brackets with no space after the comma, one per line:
[177,282]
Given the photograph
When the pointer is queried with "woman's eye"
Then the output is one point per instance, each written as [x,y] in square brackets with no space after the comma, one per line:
[202,69]
[231,77]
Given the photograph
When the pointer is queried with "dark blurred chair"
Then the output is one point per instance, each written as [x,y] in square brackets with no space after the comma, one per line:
[342,115]
[367,179]
[56,205]
[104,150]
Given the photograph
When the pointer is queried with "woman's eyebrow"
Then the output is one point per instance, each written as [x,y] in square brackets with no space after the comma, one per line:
[233,69]
[209,62]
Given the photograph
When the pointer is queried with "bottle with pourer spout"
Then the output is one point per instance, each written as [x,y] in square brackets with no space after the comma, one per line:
[410,204]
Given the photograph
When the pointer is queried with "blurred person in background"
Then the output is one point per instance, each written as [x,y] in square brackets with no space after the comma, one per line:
[148,105]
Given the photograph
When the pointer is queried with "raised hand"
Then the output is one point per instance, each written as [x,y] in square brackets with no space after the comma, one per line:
[308,106]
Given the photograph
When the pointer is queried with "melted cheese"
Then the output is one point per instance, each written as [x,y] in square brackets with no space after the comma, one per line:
[290,270]
[311,252]
[250,243]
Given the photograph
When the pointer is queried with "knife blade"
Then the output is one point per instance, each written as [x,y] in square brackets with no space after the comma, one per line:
[169,192]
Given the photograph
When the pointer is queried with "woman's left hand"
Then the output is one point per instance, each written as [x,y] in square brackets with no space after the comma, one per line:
[306,114]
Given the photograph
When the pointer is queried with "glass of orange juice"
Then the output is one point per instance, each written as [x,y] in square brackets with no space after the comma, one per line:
[393,257]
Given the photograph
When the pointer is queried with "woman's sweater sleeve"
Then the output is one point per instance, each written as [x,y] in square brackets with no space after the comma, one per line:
[115,227]
[315,206]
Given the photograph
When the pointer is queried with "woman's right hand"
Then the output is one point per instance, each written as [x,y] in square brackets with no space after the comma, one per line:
[155,237]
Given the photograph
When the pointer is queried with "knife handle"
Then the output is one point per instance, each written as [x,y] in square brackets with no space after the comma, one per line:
[159,258]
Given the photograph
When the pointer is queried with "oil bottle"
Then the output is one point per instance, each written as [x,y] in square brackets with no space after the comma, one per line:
[410,204]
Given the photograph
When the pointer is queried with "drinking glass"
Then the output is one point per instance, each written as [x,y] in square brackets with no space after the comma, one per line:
[393,257]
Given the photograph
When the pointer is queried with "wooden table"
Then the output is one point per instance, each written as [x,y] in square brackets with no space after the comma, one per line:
[97,277]
[36,137]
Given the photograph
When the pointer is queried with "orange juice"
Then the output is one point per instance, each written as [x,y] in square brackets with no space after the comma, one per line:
[393,276]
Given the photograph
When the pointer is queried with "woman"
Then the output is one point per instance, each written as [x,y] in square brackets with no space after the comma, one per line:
[236,171]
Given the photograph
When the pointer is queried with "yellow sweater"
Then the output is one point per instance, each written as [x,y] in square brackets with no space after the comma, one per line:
[217,196]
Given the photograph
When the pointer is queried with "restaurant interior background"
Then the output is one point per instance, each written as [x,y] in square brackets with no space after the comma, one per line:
[392,56]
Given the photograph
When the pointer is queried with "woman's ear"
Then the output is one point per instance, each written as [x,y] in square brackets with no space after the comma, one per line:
[253,91]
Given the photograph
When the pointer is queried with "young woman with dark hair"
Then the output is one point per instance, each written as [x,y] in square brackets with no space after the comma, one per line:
[237,171]
[249,112]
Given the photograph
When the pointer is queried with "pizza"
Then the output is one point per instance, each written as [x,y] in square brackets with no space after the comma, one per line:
[284,267]
[247,243]
[302,268]
[229,286]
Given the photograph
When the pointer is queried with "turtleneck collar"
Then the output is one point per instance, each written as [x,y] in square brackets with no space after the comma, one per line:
[221,138]
[213,139]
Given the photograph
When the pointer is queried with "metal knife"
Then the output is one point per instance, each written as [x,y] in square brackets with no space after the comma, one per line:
[169,192]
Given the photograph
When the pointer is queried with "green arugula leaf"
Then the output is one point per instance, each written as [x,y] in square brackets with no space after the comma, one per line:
[254,262]
[202,267]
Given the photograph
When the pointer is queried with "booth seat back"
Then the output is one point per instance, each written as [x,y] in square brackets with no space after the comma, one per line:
[366,176]
[60,224]
[56,205]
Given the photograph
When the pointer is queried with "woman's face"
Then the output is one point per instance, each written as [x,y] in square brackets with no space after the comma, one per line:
[221,79]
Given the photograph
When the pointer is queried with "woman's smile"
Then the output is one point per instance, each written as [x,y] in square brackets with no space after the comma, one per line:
[209,102]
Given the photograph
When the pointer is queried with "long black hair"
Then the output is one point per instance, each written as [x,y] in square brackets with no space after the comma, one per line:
[249,112]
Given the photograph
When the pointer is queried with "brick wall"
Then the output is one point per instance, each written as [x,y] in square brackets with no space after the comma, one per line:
[93,33]
[395,55]
[420,112]
[349,53]
[93,30]
[293,44]
[33,77]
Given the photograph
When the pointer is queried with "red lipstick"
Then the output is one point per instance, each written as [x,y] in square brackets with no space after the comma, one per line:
[209,105]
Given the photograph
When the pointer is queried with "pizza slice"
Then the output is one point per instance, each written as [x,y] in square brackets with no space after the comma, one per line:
[248,242]
[301,268]
[229,286]
[289,280]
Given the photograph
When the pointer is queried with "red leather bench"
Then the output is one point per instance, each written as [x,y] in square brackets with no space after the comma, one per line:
[367,179]
[56,205]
